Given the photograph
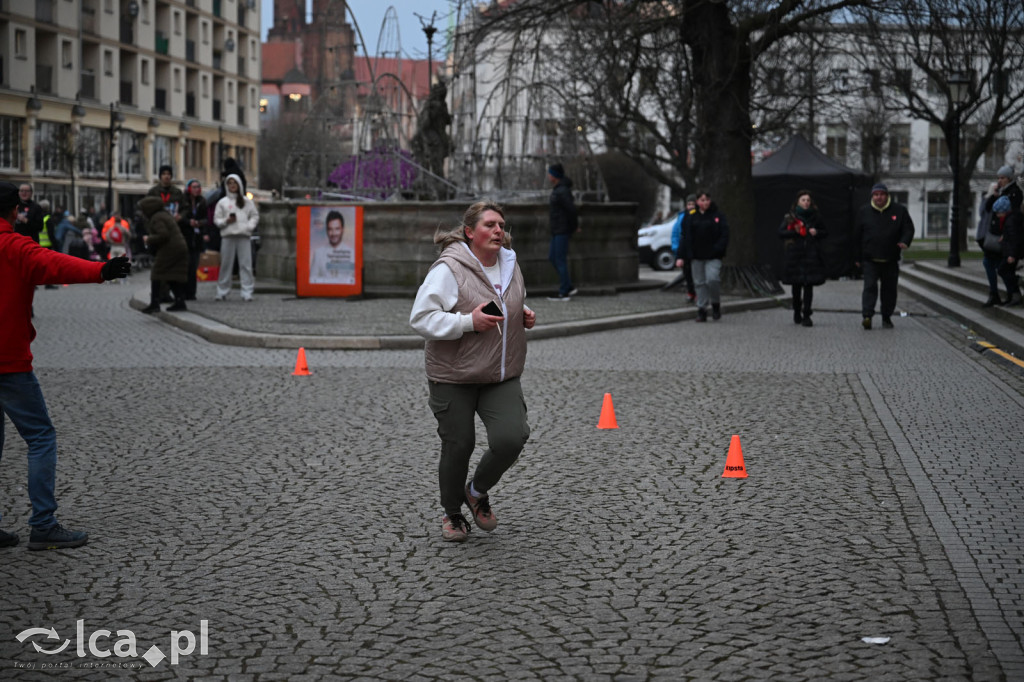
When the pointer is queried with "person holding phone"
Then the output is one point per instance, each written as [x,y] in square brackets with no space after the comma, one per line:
[470,309]
[236,217]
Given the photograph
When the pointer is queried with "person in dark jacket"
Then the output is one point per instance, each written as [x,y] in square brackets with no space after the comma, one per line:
[564,222]
[1004,186]
[704,241]
[30,215]
[168,192]
[194,225]
[24,265]
[171,254]
[882,231]
[1006,222]
[804,266]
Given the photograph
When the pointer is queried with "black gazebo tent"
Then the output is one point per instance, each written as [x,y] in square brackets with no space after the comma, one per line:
[837,190]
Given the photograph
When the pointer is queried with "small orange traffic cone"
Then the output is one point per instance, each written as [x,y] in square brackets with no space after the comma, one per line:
[607,420]
[301,368]
[734,460]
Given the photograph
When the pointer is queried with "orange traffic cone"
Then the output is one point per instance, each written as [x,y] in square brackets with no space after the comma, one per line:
[301,368]
[734,461]
[607,420]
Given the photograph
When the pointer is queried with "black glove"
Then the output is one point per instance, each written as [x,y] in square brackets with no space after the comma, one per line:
[116,267]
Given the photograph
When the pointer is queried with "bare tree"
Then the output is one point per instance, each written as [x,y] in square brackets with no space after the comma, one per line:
[925,49]
[669,82]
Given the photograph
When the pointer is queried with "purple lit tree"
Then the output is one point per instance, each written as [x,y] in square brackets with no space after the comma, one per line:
[376,174]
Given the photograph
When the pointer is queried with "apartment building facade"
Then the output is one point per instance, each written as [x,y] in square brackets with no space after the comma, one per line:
[96,95]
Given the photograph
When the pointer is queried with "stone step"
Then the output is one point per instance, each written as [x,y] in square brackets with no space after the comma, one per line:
[1002,326]
[964,276]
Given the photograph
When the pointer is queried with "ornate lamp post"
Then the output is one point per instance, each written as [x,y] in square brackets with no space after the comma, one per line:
[959,90]
[116,119]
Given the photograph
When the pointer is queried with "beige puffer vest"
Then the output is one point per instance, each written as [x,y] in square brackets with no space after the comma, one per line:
[481,358]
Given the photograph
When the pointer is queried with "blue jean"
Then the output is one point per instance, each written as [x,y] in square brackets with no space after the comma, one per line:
[21,400]
[707,279]
[558,254]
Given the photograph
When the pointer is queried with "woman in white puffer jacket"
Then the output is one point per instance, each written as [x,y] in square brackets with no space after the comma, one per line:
[236,217]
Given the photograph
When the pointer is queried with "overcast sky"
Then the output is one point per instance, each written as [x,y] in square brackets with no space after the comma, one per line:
[369,14]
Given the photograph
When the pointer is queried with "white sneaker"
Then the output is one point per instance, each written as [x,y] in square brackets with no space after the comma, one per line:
[219,298]
[573,292]
[559,298]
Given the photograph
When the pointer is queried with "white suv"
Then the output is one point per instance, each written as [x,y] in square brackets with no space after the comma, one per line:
[654,243]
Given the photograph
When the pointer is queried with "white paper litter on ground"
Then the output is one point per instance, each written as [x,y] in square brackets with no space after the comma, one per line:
[875,640]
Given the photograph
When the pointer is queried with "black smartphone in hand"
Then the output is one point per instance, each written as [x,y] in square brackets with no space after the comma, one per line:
[493,309]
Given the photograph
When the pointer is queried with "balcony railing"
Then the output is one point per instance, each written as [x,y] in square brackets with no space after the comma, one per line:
[217,59]
[160,99]
[44,11]
[89,20]
[162,43]
[190,105]
[127,31]
[88,86]
[216,110]
[241,65]
[216,8]
[241,116]
[190,50]
[126,93]
[44,78]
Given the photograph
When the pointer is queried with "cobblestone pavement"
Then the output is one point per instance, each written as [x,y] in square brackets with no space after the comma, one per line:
[298,516]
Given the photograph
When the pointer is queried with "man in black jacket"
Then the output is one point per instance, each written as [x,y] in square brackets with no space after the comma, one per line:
[883,230]
[564,222]
[30,216]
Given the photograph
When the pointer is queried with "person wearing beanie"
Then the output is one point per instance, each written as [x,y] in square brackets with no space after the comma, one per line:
[564,222]
[236,217]
[1006,224]
[24,264]
[1004,186]
[677,238]
[169,192]
[882,231]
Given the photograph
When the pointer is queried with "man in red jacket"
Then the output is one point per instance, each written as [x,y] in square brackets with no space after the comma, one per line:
[23,265]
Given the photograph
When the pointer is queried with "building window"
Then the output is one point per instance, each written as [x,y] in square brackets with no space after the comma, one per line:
[108,6]
[899,148]
[129,154]
[144,71]
[206,86]
[10,143]
[108,63]
[93,152]
[938,151]
[163,153]
[835,141]
[938,214]
[20,43]
[144,13]
[177,23]
[205,30]
[840,80]
[177,80]
[51,152]
[66,58]
[252,48]
[231,93]
[194,153]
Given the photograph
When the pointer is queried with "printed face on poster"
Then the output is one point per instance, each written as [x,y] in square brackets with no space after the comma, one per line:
[329,250]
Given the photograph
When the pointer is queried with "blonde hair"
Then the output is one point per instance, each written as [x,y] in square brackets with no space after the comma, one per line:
[447,237]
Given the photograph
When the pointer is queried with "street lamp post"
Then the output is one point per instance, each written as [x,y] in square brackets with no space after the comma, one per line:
[959,89]
[116,119]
